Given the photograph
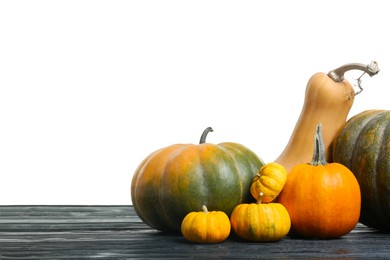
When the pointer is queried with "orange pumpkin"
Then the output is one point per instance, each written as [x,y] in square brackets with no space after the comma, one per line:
[323,199]
[206,226]
[270,181]
[260,222]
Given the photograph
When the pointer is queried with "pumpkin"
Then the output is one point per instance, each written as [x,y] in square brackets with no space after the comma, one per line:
[260,222]
[180,178]
[206,226]
[363,145]
[269,180]
[323,199]
[328,100]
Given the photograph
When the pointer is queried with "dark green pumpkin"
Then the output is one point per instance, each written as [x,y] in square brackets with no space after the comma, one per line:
[363,145]
[178,179]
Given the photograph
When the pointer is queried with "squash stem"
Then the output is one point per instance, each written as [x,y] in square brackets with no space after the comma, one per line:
[260,198]
[204,208]
[319,148]
[204,135]
[338,74]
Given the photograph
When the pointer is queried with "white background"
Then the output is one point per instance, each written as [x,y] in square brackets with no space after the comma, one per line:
[89,88]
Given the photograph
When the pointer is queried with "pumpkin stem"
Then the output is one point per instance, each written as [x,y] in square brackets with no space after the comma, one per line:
[204,208]
[260,198]
[319,148]
[338,74]
[204,135]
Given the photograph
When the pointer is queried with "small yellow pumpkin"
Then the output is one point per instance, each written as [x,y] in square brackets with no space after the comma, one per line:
[260,222]
[206,226]
[270,181]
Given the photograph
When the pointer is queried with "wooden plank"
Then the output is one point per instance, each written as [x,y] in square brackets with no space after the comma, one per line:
[79,232]
[57,218]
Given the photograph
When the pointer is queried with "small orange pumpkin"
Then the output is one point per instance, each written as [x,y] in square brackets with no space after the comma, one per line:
[206,226]
[270,181]
[323,199]
[260,222]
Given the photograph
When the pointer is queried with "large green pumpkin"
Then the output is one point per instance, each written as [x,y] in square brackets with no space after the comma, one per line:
[363,145]
[178,179]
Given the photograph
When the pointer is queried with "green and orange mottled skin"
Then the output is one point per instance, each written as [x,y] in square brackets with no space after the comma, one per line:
[179,179]
[363,145]
[259,222]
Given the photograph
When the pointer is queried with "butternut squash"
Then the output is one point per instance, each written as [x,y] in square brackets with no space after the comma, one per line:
[328,100]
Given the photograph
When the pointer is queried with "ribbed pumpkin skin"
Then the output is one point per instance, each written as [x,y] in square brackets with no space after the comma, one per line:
[260,222]
[270,181]
[206,226]
[179,179]
[363,145]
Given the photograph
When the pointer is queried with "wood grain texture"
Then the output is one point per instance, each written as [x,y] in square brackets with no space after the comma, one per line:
[109,232]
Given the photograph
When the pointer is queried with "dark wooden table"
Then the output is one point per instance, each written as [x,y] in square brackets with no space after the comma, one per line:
[84,232]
